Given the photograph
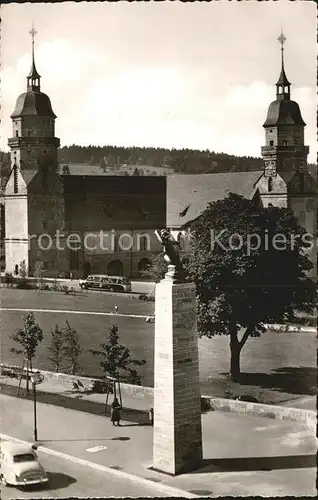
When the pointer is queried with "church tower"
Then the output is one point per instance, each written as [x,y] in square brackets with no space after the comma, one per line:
[286,181]
[34,203]
[284,130]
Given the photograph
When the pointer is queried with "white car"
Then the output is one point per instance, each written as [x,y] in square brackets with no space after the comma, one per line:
[19,465]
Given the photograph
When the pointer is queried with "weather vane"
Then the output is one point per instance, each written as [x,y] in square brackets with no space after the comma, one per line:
[282,39]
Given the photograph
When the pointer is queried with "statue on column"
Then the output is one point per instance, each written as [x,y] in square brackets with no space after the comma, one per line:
[171,256]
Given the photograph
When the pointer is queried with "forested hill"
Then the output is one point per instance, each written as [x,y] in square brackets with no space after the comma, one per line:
[185,160]
[182,161]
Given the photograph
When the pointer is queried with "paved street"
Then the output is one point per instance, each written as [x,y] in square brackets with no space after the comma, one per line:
[243,455]
[69,479]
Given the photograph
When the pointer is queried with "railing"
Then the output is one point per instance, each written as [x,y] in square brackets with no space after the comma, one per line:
[288,149]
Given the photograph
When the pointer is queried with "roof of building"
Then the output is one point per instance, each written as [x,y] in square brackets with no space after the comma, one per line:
[189,195]
[283,112]
[33,103]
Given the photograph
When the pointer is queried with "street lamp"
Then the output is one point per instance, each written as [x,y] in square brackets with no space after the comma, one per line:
[36,378]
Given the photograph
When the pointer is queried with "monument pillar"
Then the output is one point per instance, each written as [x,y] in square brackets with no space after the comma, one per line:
[177,445]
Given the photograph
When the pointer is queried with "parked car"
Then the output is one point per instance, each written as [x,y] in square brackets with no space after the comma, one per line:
[104,282]
[19,465]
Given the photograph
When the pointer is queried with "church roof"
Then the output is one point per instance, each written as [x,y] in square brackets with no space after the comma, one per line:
[282,112]
[33,103]
[189,195]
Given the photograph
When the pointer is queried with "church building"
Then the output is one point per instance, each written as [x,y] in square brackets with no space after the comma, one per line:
[90,222]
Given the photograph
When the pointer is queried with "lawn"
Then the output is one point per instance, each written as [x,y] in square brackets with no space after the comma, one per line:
[280,363]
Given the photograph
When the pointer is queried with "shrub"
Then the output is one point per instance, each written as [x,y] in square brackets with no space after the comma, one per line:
[9,279]
[205,405]
[23,284]
[55,287]
[101,386]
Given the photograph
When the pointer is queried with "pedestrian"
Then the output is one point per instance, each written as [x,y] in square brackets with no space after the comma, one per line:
[116,308]
[115,412]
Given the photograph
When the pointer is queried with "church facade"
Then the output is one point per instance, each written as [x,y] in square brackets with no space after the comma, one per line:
[95,223]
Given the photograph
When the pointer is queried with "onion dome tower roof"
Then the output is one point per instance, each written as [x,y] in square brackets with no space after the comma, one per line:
[33,101]
[283,110]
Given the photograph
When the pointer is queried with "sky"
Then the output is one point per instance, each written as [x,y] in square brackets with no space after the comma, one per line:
[164,74]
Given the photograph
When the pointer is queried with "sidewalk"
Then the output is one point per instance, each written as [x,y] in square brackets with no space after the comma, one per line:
[134,409]
[243,455]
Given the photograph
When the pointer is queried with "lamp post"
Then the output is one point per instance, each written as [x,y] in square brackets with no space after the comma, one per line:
[36,378]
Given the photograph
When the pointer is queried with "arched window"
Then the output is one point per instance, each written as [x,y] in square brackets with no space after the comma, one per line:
[144,265]
[270,184]
[115,268]
[117,247]
[45,180]
[143,243]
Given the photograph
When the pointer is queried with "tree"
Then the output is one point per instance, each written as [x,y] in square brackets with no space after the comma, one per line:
[72,348]
[158,268]
[242,285]
[23,270]
[111,161]
[116,357]
[102,164]
[56,348]
[38,272]
[29,338]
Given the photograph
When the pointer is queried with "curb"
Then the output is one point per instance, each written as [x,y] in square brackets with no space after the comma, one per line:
[64,311]
[306,417]
[173,492]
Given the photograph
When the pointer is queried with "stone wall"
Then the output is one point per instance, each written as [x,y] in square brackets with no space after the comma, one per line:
[306,417]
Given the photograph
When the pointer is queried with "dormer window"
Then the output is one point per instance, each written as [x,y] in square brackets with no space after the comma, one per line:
[271,143]
[17,133]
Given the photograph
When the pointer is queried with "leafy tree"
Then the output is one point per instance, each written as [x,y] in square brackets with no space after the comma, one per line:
[56,348]
[158,268]
[111,161]
[39,271]
[72,348]
[116,357]
[29,338]
[102,163]
[23,270]
[242,288]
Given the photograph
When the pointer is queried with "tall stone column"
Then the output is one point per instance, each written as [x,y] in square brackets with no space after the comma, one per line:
[177,445]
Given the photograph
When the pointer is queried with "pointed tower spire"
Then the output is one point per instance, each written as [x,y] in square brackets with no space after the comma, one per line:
[33,78]
[282,85]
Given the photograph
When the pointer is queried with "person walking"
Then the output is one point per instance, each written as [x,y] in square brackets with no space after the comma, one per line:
[116,309]
[115,412]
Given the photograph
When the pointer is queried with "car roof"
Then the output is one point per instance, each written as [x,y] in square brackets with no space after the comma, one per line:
[98,275]
[15,448]
[106,276]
